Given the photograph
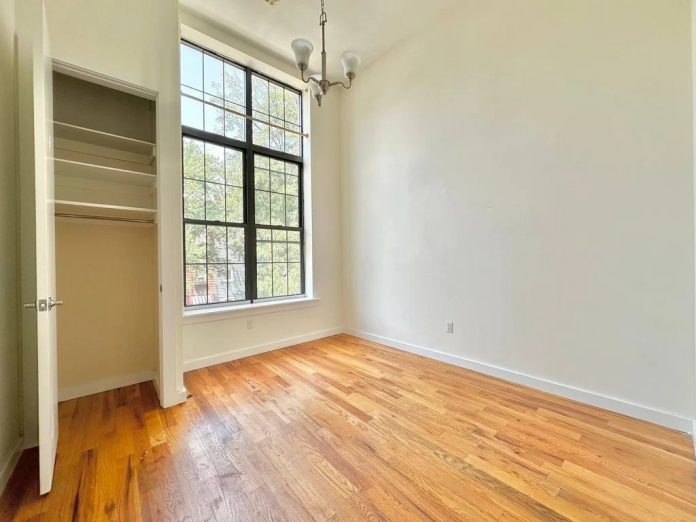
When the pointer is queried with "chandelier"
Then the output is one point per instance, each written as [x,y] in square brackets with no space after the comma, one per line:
[320,85]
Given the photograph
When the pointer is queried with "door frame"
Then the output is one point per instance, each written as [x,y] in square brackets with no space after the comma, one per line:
[28,261]
[95,77]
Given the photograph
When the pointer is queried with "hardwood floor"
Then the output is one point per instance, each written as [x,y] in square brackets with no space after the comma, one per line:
[345,429]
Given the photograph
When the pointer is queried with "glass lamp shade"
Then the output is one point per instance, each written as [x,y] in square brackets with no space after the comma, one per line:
[303,50]
[351,63]
[314,87]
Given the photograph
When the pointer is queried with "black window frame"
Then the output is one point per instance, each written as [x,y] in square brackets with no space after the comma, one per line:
[249,151]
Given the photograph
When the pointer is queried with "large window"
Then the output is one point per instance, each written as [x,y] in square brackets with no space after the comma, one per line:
[242,183]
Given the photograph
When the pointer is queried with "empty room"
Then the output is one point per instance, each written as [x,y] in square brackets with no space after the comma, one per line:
[340,260]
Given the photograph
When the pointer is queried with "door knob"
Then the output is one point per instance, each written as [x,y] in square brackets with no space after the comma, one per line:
[52,303]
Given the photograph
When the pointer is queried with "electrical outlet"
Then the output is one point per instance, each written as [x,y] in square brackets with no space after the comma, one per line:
[250,324]
[450,327]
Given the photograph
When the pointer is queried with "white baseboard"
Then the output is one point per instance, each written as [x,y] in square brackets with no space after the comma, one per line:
[111,383]
[211,360]
[639,411]
[7,467]
[182,395]
[155,383]
[179,397]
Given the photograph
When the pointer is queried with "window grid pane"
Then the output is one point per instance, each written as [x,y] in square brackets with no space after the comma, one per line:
[213,182]
[276,187]
[219,226]
[278,259]
[214,271]
[276,104]
[213,90]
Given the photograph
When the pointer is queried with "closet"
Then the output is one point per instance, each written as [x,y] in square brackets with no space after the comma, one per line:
[105,166]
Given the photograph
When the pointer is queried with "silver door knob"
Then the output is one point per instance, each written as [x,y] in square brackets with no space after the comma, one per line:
[52,303]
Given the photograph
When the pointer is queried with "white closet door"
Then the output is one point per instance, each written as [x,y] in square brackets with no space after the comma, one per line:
[36,122]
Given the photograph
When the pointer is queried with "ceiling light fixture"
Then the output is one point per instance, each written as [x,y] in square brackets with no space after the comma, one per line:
[320,85]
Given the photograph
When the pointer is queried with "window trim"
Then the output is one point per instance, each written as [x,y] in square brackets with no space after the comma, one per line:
[223,311]
[250,227]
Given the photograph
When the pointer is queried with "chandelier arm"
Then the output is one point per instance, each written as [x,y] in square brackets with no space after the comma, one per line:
[311,79]
[303,78]
[346,87]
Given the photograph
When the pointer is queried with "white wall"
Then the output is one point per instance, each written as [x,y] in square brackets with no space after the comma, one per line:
[10,417]
[525,170]
[538,156]
[137,42]
[106,273]
[216,340]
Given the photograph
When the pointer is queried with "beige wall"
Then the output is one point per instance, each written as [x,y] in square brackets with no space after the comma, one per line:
[9,346]
[106,274]
[525,170]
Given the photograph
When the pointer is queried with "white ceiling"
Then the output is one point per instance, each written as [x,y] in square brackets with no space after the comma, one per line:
[370,27]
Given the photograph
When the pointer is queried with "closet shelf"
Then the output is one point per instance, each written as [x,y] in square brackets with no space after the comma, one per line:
[93,171]
[97,138]
[86,209]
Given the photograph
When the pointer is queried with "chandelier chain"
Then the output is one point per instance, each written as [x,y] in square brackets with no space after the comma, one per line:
[323,17]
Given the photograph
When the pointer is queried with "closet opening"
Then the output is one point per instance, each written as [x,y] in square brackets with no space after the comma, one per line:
[105,168]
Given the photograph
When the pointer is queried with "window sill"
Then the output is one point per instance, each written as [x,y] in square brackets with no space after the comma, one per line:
[235,311]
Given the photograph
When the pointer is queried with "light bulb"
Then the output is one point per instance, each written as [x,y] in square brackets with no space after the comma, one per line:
[303,50]
[315,89]
[351,63]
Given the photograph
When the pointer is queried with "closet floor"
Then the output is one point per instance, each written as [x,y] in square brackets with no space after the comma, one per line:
[345,429]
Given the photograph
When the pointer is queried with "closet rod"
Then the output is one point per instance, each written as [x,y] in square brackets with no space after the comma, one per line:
[105,218]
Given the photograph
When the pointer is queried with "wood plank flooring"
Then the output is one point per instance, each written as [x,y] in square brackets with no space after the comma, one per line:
[344,429]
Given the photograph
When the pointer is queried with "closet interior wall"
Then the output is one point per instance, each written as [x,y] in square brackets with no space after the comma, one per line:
[106,237]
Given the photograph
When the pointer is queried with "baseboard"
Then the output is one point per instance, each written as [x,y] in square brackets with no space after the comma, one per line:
[103,385]
[211,360]
[182,395]
[8,466]
[155,383]
[179,397]
[624,407]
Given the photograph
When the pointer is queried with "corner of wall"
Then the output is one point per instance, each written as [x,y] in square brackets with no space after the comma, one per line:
[344,194]
[341,100]
[11,443]
[693,169]
[7,466]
